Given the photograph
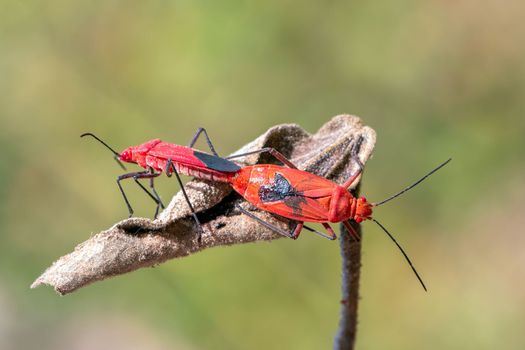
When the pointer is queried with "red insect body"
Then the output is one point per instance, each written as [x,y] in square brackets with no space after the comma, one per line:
[156,153]
[156,157]
[298,195]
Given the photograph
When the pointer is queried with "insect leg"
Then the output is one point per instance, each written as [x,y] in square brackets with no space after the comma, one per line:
[352,178]
[330,231]
[170,169]
[294,234]
[297,230]
[352,231]
[155,196]
[348,183]
[208,141]
[152,186]
[266,224]
[300,225]
[278,155]
[127,176]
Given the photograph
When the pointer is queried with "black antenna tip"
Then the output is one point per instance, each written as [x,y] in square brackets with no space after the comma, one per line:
[413,185]
[402,252]
[102,142]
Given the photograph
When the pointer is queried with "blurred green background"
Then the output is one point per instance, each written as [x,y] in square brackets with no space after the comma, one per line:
[433,78]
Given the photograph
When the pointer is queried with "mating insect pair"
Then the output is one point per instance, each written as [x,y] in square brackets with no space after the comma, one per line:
[283,190]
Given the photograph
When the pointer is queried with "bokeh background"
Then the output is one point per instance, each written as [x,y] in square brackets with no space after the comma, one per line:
[433,78]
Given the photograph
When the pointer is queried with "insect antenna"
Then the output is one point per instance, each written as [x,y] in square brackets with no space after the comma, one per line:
[413,185]
[403,252]
[116,154]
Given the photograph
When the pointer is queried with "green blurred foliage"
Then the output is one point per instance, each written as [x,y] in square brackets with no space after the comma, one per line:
[434,79]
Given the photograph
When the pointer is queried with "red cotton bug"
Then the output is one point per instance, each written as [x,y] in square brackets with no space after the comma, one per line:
[305,197]
[157,156]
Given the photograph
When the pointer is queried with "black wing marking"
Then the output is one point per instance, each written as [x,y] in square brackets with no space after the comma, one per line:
[281,190]
[216,163]
[278,190]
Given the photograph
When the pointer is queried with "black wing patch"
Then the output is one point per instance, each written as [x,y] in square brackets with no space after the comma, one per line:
[281,190]
[216,163]
[276,191]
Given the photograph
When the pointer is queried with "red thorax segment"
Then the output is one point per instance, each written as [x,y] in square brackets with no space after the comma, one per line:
[340,205]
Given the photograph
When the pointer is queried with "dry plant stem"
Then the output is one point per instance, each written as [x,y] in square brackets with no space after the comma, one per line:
[351,267]
[138,242]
